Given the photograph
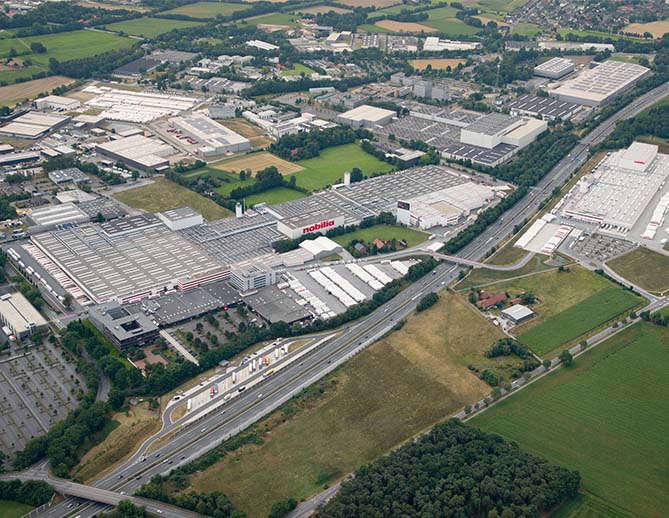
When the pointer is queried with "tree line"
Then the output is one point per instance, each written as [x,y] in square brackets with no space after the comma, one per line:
[31,492]
[455,470]
[309,144]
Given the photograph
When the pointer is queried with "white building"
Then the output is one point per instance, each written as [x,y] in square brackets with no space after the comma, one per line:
[434,44]
[181,218]
[19,315]
[496,128]
[56,102]
[262,45]
[215,139]
[597,86]
[554,68]
[297,226]
[366,116]
[138,152]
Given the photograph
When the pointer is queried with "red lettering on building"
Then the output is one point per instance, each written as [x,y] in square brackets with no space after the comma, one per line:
[318,226]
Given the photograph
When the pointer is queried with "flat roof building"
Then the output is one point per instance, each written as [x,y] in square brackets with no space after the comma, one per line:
[53,215]
[548,108]
[69,175]
[33,125]
[181,218]
[214,138]
[365,116]
[518,313]
[138,152]
[56,102]
[124,326]
[598,85]
[19,315]
[554,68]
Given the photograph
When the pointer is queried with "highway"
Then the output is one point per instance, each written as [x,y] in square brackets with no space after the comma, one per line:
[192,441]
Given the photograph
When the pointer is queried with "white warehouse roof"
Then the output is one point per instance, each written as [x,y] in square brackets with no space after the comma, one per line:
[20,315]
[369,114]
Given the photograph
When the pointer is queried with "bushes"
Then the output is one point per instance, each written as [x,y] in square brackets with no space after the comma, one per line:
[427,301]
[31,492]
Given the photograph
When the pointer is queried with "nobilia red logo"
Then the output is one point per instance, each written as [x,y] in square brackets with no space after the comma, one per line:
[318,226]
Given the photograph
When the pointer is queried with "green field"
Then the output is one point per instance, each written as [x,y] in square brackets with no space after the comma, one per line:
[164,195]
[586,505]
[606,416]
[65,46]
[504,6]
[598,34]
[297,70]
[410,380]
[150,27]
[526,29]
[645,268]
[483,277]
[368,27]
[579,319]
[9,509]
[443,19]
[10,75]
[273,19]
[207,9]
[274,196]
[329,167]
[384,233]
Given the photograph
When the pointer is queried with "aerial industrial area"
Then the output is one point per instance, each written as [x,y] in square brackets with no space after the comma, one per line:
[327,258]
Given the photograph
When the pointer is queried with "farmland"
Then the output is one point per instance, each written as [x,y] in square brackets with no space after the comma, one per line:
[150,27]
[204,10]
[29,89]
[606,416]
[340,431]
[436,64]
[385,233]
[257,162]
[657,29]
[404,27]
[645,268]
[379,4]
[164,195]
[443,19]
[330,166]
[320,9]
[272,19]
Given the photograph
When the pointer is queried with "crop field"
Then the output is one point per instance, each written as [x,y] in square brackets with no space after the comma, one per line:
[330,166]
[586,505]
[657,29]
[437,63]
[443,19]
[571,323]
[9,509]
[111,6]
[207,9]
[257,162]
[286,19]
[379,4]
[150,27]
[274,196]
[501,6]
[10,75]
[12,93]
[321,9]
[607,416]
[645,268]
[385,233]
[65,46]
[411,379]
[404,27]
[164,195]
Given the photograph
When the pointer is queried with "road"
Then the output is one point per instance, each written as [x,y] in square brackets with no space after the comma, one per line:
[191,442]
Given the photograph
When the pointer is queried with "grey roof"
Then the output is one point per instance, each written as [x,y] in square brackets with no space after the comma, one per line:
[492,124]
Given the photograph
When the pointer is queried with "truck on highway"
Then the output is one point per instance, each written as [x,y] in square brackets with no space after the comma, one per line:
[189,405]
[268,373]
[234,377]
[212,392]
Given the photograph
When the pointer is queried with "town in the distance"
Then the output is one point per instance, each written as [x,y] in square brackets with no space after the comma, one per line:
[334,258]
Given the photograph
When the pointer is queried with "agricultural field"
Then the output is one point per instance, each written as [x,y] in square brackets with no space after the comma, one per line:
[248,130]
[65,46]
[404,27]
[111,6]
[340,431]
[526,29]
[257,162]
[599,34]
[379,4]
[384,233]
[165,195]
[10,75]
[499,6]
[9,509]
[333,162]
[645,268]
[606,416]
[274,196]
[368,27]
[296,70]
[11,94]
[286,19]
[150,27]
[443,19]
[207,9]
[657,29]
[321,9]
[437,63]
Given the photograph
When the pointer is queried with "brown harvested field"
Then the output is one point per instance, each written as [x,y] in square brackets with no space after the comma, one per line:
[257,162]
[437,64]
[380,4]
[111,7]
[320,9]
[408,27]
[30,89]
[657,29]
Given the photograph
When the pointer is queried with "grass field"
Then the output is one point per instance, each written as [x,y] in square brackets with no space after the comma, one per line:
[586,505]
[274,196]
[437,64]
[606,416]
[404,27]
[329,167]
[207,9]
[503,6]
[257,162]
[150,27]
[482,277]
[410,380]
[320,9]
[385,233]
[577,320]
[645,268]
[297,70]
[273,19]
[65,45]
[526,29]
[565,32]
[443,19]
[380,4]
[29,89]
[165,195]
[9,509]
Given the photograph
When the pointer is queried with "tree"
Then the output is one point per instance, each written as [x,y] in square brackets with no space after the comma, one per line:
[547,364]
[67,300]
[282,508]
[427,301]
[100,218]
[356,175]
[37,48]
[566,358]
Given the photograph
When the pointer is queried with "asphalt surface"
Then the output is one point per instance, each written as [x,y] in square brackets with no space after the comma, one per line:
[191,442]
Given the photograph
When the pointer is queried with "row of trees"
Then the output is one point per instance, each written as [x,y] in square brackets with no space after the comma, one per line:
[302,145]
[455,470]
[32,492]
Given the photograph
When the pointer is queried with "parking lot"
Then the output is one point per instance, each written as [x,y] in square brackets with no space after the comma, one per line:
[38,387]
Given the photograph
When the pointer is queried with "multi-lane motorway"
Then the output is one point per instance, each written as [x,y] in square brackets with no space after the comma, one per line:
[192,441]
